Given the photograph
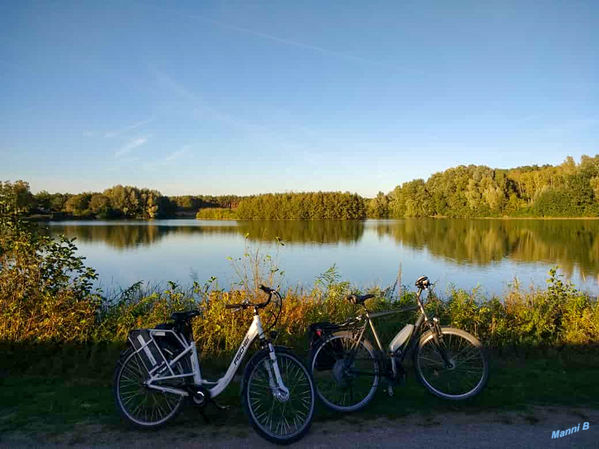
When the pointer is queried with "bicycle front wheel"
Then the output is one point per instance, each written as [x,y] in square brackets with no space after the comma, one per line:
[464,371]
[281,419]
[346,373]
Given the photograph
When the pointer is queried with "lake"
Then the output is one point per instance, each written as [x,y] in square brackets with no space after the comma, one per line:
[465,253]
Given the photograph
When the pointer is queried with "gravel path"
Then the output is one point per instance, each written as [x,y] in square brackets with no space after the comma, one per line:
[530,429]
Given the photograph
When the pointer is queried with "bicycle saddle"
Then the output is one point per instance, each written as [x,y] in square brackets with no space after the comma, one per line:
[358,299]
[184,316]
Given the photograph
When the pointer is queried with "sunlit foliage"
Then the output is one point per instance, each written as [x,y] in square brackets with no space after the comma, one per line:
[566,190]
[216,213]
[307,206]
[45,288]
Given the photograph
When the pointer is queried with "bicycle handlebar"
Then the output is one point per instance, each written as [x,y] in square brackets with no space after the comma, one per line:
[266,289]
[260,305]
[236,306]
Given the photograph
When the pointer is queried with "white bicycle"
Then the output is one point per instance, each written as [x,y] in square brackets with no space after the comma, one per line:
[161,369]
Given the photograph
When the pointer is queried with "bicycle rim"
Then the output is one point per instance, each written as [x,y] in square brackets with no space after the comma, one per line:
[141,405]
[468,373]
[349,383]
[280,420]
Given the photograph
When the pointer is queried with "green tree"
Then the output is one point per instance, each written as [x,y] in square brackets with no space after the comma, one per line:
[18,194]
[78,205]
[99,205]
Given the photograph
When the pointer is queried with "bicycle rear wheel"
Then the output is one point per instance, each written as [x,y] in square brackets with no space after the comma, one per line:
[345,379]
[140,405]
[468,368]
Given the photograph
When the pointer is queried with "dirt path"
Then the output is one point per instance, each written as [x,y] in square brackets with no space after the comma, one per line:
[531,429]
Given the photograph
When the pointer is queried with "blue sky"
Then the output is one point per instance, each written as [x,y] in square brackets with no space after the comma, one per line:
[248,97]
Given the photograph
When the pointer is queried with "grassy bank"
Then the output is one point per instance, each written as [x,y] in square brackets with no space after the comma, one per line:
[76,389]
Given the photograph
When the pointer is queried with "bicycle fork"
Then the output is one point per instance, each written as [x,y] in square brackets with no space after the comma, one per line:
[440,344]
[275,381]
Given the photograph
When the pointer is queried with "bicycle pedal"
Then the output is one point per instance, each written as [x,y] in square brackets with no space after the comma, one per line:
[220,406]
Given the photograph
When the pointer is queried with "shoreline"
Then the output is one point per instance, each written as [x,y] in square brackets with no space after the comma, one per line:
[47,219]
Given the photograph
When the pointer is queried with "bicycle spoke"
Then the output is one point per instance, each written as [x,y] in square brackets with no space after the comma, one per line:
[142,404]
[280,417]
[466,367]
[347,380]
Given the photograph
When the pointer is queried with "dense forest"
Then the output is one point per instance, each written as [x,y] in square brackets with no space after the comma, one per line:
[307,206]
[567,190]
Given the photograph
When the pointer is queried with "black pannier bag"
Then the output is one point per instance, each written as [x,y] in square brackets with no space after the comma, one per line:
[319,332]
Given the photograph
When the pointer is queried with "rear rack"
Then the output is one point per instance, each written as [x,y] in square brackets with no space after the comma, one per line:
[148,350]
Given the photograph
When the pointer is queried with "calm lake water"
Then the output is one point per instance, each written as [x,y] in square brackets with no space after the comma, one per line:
[465,253]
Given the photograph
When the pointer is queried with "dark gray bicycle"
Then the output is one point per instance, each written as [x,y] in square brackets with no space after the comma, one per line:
[346,367]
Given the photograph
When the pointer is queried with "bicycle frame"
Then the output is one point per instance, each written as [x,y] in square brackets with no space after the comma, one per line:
[214,387]
[384,355]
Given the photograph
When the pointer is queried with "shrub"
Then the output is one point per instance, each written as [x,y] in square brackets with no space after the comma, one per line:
[216,213]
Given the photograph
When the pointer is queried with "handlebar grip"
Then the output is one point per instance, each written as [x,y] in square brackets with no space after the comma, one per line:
[266,289]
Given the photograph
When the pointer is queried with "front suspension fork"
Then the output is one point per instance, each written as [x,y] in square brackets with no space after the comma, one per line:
[275,381]
[439,343]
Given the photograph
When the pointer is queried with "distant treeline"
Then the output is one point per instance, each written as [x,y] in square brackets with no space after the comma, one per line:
[307,206]
[565,190]
[116,202]
[193,203]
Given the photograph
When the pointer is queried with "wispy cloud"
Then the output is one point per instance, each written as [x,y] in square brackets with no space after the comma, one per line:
[165,81]
[273,38]
[176,154]
[167,160]
[291,42]
[201,110]
[124,129]
[130,146]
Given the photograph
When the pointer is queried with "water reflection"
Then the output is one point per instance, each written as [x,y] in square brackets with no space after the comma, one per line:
[304,231]
[568,243]
[124,235]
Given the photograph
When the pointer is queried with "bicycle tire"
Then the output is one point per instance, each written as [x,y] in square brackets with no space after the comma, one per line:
[131,367]
[467,355]
[336,382]
[256,391]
